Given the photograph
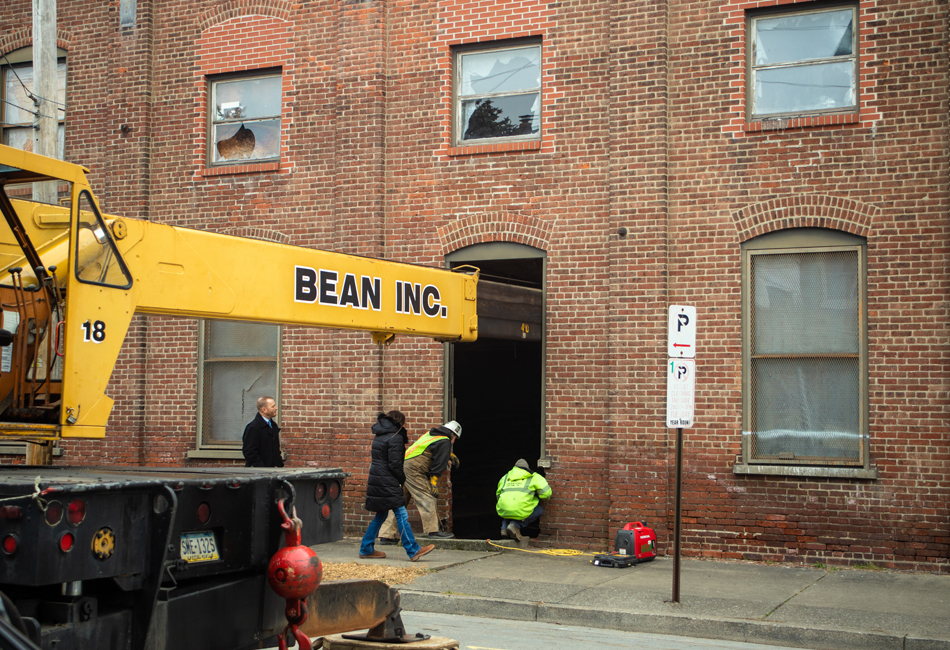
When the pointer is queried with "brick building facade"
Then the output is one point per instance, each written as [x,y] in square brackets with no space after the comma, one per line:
[674,153]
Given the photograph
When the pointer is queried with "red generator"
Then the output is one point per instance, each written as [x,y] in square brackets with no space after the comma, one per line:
[635,543]
[636,540]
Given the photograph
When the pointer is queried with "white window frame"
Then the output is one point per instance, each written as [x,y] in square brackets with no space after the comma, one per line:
[804,241]
[216,121]
[754,69]
[458,128]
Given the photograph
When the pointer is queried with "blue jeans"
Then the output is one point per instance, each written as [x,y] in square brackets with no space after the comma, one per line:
[534,516]
[402,522]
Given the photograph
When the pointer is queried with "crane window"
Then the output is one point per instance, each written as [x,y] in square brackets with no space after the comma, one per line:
[97,259]
[245,119]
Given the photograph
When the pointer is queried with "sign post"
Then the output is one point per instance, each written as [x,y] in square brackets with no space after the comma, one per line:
[680,402]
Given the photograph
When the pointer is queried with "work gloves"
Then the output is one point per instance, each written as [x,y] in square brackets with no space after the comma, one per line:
[434,485]
[454,461]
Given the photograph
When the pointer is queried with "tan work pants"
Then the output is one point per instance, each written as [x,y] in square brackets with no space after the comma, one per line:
[416,485]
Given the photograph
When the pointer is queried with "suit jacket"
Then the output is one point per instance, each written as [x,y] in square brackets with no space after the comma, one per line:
[262,444]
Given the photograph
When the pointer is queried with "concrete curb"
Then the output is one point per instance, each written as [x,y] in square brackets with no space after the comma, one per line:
[707,628]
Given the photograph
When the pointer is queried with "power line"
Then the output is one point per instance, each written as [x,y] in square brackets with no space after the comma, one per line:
[13,70]
[31,112]
[27,90]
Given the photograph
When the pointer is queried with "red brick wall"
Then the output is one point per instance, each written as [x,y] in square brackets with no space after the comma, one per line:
[644,129]
[883,177]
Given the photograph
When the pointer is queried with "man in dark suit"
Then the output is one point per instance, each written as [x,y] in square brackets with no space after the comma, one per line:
[262,437]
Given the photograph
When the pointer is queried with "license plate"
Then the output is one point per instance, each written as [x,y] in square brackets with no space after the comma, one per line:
[199,547]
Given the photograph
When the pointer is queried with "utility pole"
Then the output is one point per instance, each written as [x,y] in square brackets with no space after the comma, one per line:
[45,84]
[45,79]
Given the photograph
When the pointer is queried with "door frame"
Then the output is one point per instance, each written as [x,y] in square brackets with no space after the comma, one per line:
[500,251]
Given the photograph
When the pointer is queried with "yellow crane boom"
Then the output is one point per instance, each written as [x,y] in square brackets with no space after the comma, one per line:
[71,279]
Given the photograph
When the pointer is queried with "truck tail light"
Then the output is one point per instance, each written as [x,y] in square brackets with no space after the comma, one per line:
[66,542]
[76,511]
[204,513]
[54,512]
[10,512]
[334,490]
[10,543]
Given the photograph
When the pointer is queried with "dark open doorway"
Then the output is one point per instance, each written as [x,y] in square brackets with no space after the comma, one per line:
[496,389]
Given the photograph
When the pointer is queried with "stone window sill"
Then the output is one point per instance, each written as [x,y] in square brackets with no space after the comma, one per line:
[222,454]
[498,147]
[804,471]
[228,170]
[216,454]
[19,449]
[781,124]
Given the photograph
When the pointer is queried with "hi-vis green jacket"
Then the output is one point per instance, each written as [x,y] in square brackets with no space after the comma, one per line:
[438,442]
[518,493]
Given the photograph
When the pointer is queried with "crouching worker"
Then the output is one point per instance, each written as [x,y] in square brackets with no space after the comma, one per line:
[519,494]
[384,487]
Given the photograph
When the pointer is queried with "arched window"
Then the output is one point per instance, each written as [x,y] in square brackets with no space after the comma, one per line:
[805,349]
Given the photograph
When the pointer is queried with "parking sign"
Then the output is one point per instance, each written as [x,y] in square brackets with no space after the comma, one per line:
[680,393]
[682,332]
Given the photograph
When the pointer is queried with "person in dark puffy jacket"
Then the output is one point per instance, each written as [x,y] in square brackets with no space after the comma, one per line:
[384,487]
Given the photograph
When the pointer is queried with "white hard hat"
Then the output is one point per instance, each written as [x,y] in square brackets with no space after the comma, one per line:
[454,427]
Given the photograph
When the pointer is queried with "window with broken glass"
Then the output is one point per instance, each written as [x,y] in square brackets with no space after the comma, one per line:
[245,119]
[497,94]
[803,63]
[239,362]
[805,349]
[17,110]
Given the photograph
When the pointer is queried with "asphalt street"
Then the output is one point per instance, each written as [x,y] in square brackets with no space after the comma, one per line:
[477,633]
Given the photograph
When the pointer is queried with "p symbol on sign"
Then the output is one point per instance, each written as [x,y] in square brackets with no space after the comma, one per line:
[682,321]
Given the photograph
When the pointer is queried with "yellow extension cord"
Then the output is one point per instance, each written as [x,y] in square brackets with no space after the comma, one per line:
[560,552]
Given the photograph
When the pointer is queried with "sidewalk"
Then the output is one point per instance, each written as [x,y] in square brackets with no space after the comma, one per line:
[802,607]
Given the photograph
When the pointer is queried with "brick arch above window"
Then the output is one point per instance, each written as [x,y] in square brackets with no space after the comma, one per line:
[808,211]
[239,8]
[495,227]
[265,234]
[24,38]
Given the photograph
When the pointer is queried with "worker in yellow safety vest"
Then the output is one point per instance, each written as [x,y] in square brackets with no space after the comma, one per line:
[426,459]
[518,497]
